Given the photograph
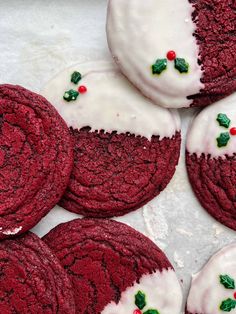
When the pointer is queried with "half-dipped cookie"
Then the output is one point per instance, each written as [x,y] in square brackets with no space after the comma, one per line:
[178,53]
[213,289]
[125,148]
[115,269]
[211,159]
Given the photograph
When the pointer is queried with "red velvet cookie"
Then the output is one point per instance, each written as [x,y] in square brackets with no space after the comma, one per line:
[126,149]
[36,158]
[115,269]
[178,53]
[211,159]
[213,289]
[32,279]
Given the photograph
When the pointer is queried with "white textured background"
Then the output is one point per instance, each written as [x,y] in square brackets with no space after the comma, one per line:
[39,38]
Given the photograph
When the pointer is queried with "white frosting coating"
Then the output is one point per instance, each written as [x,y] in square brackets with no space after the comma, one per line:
[205,129]
[207,293]
[162,291]
[111,103]
[140,32]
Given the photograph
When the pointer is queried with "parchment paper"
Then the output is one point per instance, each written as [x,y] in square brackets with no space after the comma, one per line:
[39,38]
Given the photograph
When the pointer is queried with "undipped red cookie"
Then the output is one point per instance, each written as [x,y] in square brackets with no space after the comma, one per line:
[213,289]
[211,159]
[32,279]
[115,269]
[36,159]
[178,53]
[126,148]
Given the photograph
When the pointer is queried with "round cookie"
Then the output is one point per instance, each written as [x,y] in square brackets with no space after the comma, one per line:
[32,279]
[34,144]
[213,289]
[115,274]
[211,159]
[126,148]
[171,51]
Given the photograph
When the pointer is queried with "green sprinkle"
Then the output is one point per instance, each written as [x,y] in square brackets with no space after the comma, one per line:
[140,300]
[151,312]
[227,282]
[228,305]
[181,65]
[223,120]
[223,139]
[71,95]
[76,77]
[159,66]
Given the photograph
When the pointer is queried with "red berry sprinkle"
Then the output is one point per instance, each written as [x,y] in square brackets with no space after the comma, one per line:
[82,89]
[235,295]
[233,131]
[137,312]
[171,55]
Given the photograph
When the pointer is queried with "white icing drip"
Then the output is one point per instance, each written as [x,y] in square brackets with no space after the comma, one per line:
[111,103]
[205,129]
[140,32]
[162,291]
[206,293]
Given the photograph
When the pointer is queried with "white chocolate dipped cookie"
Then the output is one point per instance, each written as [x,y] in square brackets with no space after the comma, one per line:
[211,159]
[125,274]
[126,148]
[162,46]
[213,289]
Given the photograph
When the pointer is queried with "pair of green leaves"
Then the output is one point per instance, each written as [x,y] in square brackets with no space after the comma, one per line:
[224,137]
[72,95]
[228,283]
[140,302]
[161,65]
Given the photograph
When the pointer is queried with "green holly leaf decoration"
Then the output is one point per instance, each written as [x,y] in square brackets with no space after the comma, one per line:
[76,77]
[228,305]
[223,120]
[181,65]
[159,66]
[227,282]
[71,95]
[140,300]
[151,312]
[223,139]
